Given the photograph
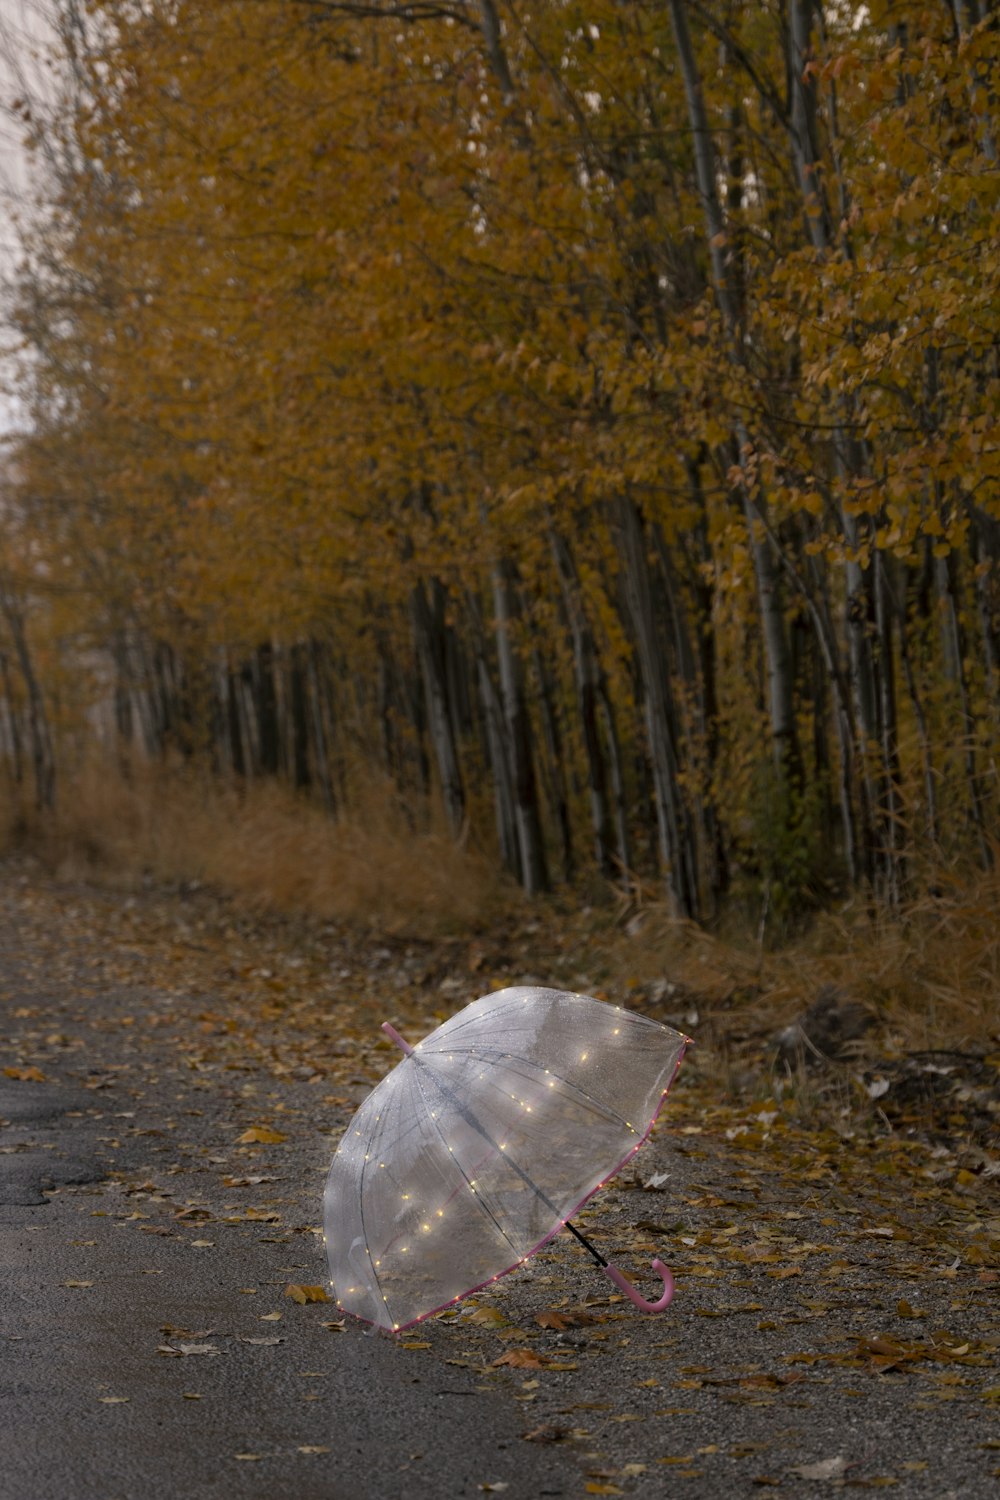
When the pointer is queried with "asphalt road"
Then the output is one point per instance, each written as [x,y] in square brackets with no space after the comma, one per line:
[92,1411]
[148,1348]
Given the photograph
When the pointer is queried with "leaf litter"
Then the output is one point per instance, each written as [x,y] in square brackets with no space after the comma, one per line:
[819,1240]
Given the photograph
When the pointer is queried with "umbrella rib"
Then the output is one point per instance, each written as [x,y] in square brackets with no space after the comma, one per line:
[364,1231]
[478,1197]
[568,1083]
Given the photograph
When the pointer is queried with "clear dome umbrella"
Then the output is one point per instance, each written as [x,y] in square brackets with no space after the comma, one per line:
[481,1144]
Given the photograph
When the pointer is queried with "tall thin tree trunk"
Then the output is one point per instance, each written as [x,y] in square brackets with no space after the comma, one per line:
[676,855]
[778,662]
[39,738]
[430,647]
[586,679]
[534,869]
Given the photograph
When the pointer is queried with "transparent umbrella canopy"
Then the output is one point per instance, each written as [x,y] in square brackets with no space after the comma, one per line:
[483,1141]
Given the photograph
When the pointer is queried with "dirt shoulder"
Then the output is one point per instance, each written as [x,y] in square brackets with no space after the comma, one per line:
[834,1322]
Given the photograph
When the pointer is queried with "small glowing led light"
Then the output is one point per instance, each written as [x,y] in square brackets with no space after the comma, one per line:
[583,1057]
[404,1248]
[405,1197]
[440,1213]
[425,1227]
[616,1031]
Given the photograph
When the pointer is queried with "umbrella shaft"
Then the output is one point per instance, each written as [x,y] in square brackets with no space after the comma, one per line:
[586,1243]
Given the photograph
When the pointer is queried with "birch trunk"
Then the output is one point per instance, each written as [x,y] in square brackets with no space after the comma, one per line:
[517,724]
[427,634]
[39,738]
[586,682]
[679,867]
[778,663]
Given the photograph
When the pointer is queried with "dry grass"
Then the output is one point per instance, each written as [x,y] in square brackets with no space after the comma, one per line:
[930,974]
[267,848]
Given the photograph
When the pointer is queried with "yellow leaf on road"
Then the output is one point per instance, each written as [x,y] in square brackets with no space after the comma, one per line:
[303,1294]
[260,1135]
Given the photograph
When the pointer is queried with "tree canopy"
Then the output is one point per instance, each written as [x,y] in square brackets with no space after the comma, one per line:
[590,412]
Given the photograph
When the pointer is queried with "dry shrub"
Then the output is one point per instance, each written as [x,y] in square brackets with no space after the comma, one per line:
[270,848]
[930,973]
[933,972]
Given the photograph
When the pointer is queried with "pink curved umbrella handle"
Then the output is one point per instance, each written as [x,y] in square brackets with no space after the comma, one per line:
[626,1286]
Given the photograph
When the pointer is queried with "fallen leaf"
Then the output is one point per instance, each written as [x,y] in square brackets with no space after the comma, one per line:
[303,1294]
[187,1349]
[904,1310]
[113,1400]
[549,1432]
[26,1075]
[522,1359]
[260,1135]
[262,1341]
[553,1320]
[489,1316]
[827,1468]
[77,1283]
[313,1448]
[270,1317]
